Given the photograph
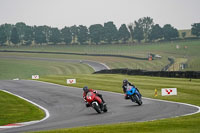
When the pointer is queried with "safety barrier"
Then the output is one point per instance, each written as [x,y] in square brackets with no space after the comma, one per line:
[176,74]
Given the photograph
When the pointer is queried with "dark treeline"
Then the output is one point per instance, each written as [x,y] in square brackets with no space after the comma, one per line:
[142,30]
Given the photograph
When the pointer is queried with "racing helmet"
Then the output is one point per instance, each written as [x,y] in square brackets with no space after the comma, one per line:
[125,82]
[85,89]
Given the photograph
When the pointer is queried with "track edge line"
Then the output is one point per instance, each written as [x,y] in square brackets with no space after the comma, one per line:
[47,114]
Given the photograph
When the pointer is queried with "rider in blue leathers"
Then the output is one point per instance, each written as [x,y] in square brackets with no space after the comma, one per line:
[125,85]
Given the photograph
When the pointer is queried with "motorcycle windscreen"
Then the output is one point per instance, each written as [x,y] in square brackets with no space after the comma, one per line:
[130,90]
[90,97]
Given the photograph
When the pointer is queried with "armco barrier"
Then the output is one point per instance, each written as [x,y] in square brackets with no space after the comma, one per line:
[176,74]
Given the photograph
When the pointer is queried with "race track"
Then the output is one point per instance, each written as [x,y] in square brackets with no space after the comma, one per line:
[67,108]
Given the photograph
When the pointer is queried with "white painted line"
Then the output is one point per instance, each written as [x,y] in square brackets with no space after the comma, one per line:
[105,66]
[7,127]
[47,115]
[198,107]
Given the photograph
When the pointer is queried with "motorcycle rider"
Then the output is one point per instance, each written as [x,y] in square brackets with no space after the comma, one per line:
[126,83]
[86,90]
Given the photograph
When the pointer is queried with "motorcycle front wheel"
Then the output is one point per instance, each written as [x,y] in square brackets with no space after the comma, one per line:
[137,99]
[96,107]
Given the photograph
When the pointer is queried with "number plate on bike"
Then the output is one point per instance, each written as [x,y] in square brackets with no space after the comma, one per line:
[129,88]
[89,95]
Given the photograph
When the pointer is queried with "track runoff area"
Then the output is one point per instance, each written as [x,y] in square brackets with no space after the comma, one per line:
[64,107]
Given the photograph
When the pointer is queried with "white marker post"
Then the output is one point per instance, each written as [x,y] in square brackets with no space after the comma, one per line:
[71,81]
[169,91]
[35,77]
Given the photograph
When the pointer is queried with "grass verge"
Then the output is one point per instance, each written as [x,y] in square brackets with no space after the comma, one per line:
[112,62]
[14,110]
[188,92]
[187,49]
[23,69]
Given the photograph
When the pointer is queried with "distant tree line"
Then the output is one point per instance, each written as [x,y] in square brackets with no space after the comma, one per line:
[142,30]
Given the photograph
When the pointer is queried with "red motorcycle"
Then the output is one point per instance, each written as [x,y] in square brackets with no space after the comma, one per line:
[96,102]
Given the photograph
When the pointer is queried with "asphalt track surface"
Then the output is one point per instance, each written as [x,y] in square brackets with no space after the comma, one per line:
[67,108]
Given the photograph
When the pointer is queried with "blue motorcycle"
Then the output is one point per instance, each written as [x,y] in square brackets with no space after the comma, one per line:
[134,95]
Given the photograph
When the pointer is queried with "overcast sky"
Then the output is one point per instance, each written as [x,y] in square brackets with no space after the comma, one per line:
[59,13]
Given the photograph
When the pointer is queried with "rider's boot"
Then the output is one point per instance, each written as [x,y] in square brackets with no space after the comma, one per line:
[140,95]
[87,104]
[126,97]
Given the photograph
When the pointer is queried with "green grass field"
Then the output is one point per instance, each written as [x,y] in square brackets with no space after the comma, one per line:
[24,69]
[118,49]
[14,110]
[112,62]
[188,124]
[188,92]
[140,50]
[187,49]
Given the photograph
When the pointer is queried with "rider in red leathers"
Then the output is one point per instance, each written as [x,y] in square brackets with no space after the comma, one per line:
[86,90]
